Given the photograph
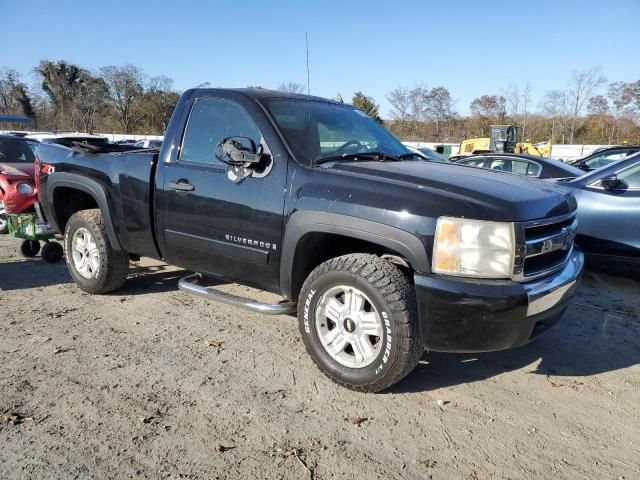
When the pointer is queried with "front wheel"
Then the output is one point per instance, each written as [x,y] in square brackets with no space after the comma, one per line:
[94,265]
[358,319]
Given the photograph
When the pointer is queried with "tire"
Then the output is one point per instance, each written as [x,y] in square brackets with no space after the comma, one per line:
[381,344]
[94,265]
[29,248]
[52,252]
[4,225]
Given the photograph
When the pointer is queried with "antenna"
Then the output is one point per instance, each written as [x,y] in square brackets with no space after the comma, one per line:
[306,37]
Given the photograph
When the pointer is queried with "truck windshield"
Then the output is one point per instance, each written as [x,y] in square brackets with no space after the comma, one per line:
[316,130]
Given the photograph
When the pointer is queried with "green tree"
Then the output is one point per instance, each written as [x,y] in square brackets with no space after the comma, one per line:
[61,81]
[366,105]
[14,95]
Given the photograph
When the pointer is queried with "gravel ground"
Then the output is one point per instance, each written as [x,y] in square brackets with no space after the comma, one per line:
[150,382]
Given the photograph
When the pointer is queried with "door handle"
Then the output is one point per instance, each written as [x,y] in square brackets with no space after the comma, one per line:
[181,185]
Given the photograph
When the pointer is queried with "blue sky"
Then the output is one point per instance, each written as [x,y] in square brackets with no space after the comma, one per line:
[472,48]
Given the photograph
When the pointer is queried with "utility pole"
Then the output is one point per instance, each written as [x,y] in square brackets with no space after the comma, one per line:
[306,37]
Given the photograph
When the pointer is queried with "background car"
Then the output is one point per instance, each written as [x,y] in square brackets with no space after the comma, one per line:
[148,144]
[604,156]
[429,154]
[17,189]
[609,210]
[525,165]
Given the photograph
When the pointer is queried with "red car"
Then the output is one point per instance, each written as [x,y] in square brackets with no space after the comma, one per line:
[17,187]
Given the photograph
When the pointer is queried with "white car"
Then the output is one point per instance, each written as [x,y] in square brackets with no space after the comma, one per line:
[148,144]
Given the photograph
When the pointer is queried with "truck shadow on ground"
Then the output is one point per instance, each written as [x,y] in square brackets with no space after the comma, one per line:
[587,341]
[32,273]
[36,273]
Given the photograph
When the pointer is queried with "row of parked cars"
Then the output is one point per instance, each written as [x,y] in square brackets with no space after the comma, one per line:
[606,184]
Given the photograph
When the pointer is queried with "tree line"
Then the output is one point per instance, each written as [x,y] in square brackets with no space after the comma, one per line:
[121,99]
[588,110]
[67,97]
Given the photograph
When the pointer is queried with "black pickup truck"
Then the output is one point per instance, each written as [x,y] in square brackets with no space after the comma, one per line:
[381,254]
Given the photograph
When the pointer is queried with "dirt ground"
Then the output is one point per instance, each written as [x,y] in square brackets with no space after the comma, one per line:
[150,382]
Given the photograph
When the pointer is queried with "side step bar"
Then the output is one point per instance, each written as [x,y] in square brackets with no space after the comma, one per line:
[190,285]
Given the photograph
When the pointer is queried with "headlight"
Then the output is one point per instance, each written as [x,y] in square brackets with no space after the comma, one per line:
[25,189]
[473,248]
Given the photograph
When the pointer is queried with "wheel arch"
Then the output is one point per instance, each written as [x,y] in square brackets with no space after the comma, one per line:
[307,231]
[86,190]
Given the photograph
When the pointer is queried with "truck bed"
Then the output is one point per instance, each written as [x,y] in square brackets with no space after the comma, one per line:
[126,177]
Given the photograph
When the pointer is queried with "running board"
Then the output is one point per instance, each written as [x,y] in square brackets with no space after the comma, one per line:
[190,285]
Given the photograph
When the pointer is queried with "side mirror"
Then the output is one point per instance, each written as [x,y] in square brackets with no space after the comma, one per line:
[238,151]
[610,183]
[243,157]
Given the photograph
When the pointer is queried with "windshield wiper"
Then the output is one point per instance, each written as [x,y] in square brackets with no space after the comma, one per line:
[410,155]
[379,156]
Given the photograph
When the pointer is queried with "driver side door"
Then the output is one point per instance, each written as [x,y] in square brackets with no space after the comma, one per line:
[209,224]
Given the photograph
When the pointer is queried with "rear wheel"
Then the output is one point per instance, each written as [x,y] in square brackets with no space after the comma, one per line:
[358,320]
[4,226]
[94,265]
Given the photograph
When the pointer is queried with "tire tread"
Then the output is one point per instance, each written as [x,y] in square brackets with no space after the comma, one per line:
[396,288]
[117,261]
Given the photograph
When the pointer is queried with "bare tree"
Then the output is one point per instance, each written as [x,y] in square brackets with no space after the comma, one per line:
[400,103]
[556,105]
[512,95]
[418,101]
[526,101]
[439,107]
[583,84]
[159,101]
[486,109]
[90,99]
[125,93]
[291,87]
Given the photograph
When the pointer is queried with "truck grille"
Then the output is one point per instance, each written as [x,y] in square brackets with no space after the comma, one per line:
[543,246]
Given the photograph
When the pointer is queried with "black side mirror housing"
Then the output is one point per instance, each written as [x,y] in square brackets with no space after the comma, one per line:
[238,151]
[610,183]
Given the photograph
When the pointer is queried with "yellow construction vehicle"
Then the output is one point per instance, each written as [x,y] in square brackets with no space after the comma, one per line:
[502,139]
[536,150]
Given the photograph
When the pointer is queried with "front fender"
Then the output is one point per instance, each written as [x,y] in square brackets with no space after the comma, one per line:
[302,223]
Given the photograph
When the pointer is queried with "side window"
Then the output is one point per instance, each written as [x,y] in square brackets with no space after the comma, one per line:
[606,158]
[502,164]
[533,169]
[474,162]
[523,167]
[209,122]
[630,177]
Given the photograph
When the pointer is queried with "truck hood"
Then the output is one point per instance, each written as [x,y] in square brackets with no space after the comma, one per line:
[469,191]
